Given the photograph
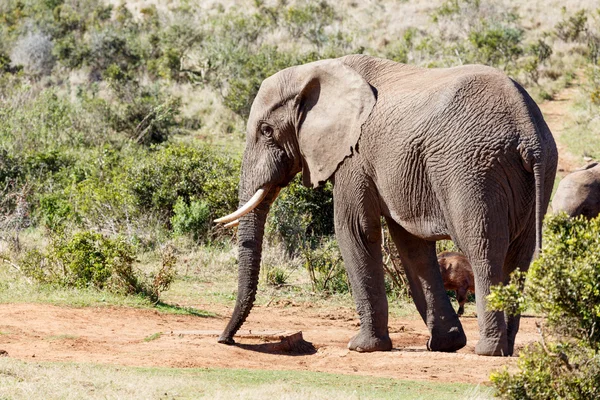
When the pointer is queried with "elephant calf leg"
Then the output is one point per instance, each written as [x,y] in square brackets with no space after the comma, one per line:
[461,297]
[425,280]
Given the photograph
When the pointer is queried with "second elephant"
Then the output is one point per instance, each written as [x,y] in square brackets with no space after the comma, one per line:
[579,193]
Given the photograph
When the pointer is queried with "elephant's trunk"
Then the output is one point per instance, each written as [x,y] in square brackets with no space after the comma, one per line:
[250,237]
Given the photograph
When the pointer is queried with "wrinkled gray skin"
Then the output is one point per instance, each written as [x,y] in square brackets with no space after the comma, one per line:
[579,193]
[457,275]
[460,153]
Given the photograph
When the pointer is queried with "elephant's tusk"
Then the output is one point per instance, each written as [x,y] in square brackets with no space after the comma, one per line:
[246,208]
[232,224]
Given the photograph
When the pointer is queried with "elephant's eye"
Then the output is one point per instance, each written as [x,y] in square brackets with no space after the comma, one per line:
[266,130]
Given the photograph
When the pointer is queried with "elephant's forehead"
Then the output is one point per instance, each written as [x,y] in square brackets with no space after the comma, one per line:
[272,93]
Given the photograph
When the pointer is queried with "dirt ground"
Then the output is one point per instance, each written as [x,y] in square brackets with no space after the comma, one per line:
[116,336]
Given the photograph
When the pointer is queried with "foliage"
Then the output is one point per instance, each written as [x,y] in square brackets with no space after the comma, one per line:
[33,52]
[176,171]
[563,284]
[144,113]
[90,259]
[301,216]
[326,268]
[192,218]
[548,373]
[276,276]
[571,28]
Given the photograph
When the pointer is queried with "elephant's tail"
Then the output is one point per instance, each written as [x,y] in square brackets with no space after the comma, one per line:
[538,174]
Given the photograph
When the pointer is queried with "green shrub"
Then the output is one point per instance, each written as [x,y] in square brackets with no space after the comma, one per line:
[92,260]
[497,45]
[145,114]
[570,28]
[192,218]
[563,284]
[276,276]
[556,371]
[179,172]
[87,259]
[326,268]
[301,216]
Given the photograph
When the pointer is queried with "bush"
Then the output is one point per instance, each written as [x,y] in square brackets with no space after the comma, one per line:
[563,284]
[33,52]
[192,218]
[570,28]
[182,173]
[91,260]
[326,268]
[301,216]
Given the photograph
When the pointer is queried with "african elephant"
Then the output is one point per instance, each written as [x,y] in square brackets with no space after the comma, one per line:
[457,275]
[452,153]
[579,193]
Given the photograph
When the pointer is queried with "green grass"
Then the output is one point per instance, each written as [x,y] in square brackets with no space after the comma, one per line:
[152,337]
[24,380]
[15,289]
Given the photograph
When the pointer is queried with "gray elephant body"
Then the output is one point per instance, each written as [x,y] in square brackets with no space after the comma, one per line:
[579,193]
[460,153]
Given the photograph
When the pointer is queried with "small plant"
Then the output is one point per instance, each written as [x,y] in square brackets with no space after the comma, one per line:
[192,218]
[276,276]
[571,28]
[33,52]
[326,268]
[91,260]
[302,216]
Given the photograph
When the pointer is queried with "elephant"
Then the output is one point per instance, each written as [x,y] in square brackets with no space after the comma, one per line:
[458,153]
[457,275]
[579,193]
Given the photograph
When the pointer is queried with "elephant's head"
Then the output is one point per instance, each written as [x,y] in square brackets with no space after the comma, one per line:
[306,118]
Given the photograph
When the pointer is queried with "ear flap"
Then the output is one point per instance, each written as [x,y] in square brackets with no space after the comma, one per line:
[333,103]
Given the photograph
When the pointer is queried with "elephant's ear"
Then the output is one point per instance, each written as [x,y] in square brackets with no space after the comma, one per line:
[333,103]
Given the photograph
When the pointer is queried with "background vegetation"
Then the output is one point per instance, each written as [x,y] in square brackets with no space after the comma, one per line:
[126,121]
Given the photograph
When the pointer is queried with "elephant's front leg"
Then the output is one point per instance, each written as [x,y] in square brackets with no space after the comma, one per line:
[358,230]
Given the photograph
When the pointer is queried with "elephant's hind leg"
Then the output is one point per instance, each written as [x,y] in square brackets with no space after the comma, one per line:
[486,250]
[425,280]
[519,257]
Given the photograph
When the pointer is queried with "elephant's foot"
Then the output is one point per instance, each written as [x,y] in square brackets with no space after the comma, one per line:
[366,342]
[492,347]
[226,340]
[449,341]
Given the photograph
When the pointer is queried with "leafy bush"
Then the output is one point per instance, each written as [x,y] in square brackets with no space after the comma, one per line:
[181,171]
[192,218]
[326,268]
[301,216]
[276,276]
[145,114]
[33,52]
[90,259]
[564,285]
[570,28]
[497,45]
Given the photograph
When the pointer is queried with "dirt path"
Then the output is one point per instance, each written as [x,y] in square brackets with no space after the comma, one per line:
[116,336]
[556,113]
